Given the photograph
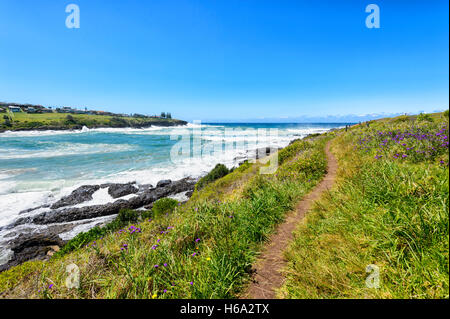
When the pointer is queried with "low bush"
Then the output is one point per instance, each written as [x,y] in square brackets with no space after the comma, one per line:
[70,120]
[422,117]
[217,172]
[164,206]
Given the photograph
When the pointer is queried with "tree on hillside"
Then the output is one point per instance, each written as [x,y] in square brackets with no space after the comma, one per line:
[163,114]
[70,119]
[168,115]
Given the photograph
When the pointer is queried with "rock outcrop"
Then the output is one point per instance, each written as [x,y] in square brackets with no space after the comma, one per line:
[80,195]
[120,190]
[27,243]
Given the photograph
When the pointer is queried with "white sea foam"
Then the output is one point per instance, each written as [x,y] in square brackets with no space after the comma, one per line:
[85,226]
[13,203]
[101,197]
[64,149]
[85,130]
[5,255]
[181,197]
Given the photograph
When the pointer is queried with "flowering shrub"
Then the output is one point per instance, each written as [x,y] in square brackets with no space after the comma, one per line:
[416,143]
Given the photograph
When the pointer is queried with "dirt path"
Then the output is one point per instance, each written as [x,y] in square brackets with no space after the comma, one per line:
[268,267]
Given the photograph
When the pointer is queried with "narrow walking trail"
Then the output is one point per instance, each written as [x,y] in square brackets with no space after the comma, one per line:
[268,267]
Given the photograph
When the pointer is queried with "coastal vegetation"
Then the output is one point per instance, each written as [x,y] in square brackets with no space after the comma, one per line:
[62,121]
[388,213]
[217,172]
[388,210]
[125,217]
[203,249]
[163,206]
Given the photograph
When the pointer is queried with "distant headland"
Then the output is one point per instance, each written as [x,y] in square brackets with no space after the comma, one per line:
[22,117]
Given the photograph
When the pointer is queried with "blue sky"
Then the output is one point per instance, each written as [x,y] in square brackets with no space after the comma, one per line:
[227,60]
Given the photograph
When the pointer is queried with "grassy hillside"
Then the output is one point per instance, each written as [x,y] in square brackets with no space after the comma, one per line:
[25,121]
[203,249]
[390,209]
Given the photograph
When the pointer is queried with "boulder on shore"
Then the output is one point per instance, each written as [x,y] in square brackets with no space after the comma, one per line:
[163,183]
[80,195]
[120,190]
[71,214]
[32,246]
[29,244]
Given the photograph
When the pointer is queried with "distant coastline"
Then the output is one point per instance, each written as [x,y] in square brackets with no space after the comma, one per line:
[23,121]
[80,127]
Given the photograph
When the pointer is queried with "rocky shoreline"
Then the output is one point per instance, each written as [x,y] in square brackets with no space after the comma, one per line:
[40,234]
[37,236]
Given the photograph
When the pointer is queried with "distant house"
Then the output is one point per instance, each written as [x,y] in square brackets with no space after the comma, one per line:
[2,110]
[30,110]
[66,109]
[15,109]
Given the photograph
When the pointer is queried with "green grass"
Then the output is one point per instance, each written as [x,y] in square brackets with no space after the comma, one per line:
[24,120]
[210,242]
[389,211]
[125,217]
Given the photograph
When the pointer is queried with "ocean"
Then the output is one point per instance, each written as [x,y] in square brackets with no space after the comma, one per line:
[39,167]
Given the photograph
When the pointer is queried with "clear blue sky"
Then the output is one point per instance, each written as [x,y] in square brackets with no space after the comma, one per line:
[228,59]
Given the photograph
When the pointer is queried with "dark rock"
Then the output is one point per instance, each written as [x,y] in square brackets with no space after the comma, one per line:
[145,187]
[31,247]
[163,183]
[28,245]
[119,190]
[189,193]
[80,195]
[79,213]
[34,208]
